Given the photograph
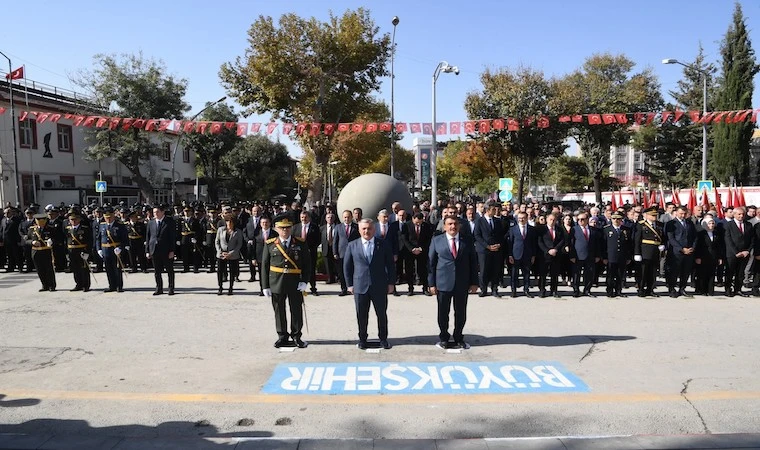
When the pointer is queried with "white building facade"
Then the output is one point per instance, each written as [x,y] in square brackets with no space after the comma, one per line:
[627,165]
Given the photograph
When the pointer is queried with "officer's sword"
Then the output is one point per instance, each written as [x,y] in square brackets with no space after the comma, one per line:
[87,265]
[121,264]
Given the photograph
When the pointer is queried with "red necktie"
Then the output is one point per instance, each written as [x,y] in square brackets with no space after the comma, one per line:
[585,232]
[741,227]
[382,228]
[348,230]
[418,232]
[522,230]
[453,247]
[303,232]
[551,230]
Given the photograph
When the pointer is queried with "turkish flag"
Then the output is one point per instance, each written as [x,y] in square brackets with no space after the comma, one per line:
[498,124]
[201,127]
[255,127]
[694,116]
[707,117]
[613,203]
[577,118]
[730,117]
[242,129]
[101,122]
[621,118]
[78,120]
[329,129]
[564,119]
[650,117]
[674,198]
[415,127]
[300,128]
[53,117]
[371,127]
[271,126]
[455,128]
[754,117]
[2,110]
[742,116]
[42,117]
[543,122]
[730,201]
[216,127]
[718,205]
[287,127]
[427,128]
[440,128]
[188,127]
[666,115]
[469,127]
[164,125]
[718,117]
[386,127]
[705,200]
[230,125]
[344,127]
[16,74]
[638,118]
[513,124]
[484,126]
[401,127]
[594,119]
[528,122]
[606,118]
[139,124]
[315,129]
[357,127]
[23,116]
[151,125]
[678,115]
[114,123]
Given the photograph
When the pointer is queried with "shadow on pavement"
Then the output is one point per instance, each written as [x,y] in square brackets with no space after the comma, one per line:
[476,339]
[18,403]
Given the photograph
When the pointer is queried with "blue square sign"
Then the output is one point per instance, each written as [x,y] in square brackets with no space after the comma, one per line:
[100,186]
[704,184]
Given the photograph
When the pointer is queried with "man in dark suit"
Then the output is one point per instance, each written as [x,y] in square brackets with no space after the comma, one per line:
[417,235]
[399,224]
[740,238]
[489,236]
[453,272]
[521,251]
[309,233]
[160,239]
[709,253]
[682,238]
[587,254]
[347,232]
[251,230]
[266,233]
[328,231]
[617,248]
[371,276]
[550,245]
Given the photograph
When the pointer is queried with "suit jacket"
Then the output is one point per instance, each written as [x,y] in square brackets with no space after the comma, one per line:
[546,242]
[161,240]
[680,236]
[485,235]
[327,248]
[411,241]
[341,243]
[9,230]
[364,275]
[710,250]
[449,274]
[258,243]
[313,238]
[252,228]
[233,245]
[585,249]
[519,248]
[391,235]
[736,241]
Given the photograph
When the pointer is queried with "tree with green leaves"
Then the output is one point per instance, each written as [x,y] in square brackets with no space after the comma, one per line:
[734,92]
[605,84]
[210,149]
[259,169]
[521,93]
[134,87]
[567,173]
[308,71]
[673,151]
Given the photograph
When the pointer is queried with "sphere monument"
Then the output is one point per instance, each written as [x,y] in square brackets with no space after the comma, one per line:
[373,192]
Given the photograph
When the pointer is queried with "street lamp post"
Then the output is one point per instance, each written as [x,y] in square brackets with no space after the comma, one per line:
[442,67]
[176,144]
[13,131]
[393,119]
[332,179]
[704,74]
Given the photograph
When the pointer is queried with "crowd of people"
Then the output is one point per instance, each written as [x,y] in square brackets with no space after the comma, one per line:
[526,249]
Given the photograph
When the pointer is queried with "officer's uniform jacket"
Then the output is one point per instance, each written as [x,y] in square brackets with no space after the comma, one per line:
[281,273]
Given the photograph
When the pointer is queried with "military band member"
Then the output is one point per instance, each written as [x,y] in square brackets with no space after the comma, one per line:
[95,227]
[617,249]
[40,237]
[113,239]
[55,220]
[190,231]
[648,248]
[211,225]
[79,244]
[285,269]
[136,233]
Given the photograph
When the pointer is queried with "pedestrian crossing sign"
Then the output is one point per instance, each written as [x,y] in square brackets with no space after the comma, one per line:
[506,184]
[100,186]
[704,184]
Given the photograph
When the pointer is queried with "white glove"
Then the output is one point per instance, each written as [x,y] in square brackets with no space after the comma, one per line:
[117,250]
[85,256]
[267,292]
[49,242]
[179,243]
[661,248]
[250,242]
[638,258]
[194,241]
[302,286]
[100,253]
[126,247]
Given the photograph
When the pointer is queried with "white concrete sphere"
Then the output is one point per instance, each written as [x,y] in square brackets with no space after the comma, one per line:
[373,192]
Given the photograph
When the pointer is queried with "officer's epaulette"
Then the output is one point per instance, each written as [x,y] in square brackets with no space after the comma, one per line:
[642,221]
[299,239]
[271,240]
[69,227]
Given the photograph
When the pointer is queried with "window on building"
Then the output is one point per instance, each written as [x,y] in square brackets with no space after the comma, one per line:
[27,187]
[186,155]
[67,181]
[620,168]
[28,133]
[65,140]
[167,153]
[126,181]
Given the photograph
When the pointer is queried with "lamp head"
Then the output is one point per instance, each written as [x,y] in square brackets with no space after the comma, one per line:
[670,61]
[394,21]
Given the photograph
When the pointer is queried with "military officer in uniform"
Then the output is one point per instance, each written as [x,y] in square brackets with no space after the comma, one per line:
[285,268]
[79,244]
[190,231]
[40,237]
[136,233]
[55,220]
[23,231]
[648,247]
[616,254]
[113,239]
[95,226]
[212,225]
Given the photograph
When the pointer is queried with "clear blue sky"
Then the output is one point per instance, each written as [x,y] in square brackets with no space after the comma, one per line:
[194,38]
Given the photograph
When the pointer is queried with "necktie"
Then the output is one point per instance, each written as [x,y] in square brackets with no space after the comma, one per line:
[367,251]
[304,228]
[285,245]
[741,227]
[418,232]
[585,232]
[453,247]
[490,223]
[382,230]
[348,230]
[266,235]
[329,234]
[522,231]
[551,230]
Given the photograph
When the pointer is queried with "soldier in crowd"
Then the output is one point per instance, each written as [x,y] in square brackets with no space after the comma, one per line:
[97,219]
[211,225]
[55,220]
[136,234]
[617,245]
[190,230]
[648,247]
[40,238]
[79,244]
[266,233]
[10,240]
[113,239]
[27,264]
[285,267]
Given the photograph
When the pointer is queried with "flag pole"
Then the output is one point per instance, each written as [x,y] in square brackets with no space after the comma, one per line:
[13,129]
[31,154]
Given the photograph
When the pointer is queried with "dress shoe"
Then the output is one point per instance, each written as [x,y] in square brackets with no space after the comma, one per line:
[426,292]
[742,294]
[76,288]
[282,342]
[442,345]
[300,343]
[119,290]
[529,295]
[229,291]
[109,290]
[145,271]
[685,294]
[411,292]
[171,291]
[544,294]
[482,294]
[673,294]
[219,292]
[654,294]
[43,290]
[463,345]
[133,271]
[343,294]
[385,344]
[362,345]
[86,290]
[588,294]
[576,294]
[513,294]
[395,293]
[198,271]
[314,293]
[496,294]
[251,280]
[158,292]
[52,289]
[556,294]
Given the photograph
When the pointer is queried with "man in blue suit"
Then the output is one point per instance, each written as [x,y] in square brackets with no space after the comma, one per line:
[682,240]
[159,240]
[489,235]
[370,276]
[521,251]
[453,272]
[347,232]
[586,252]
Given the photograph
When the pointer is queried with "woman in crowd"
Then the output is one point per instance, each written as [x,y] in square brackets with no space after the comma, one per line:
[229,242]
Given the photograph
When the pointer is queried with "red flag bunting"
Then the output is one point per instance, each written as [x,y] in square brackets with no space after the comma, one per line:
[188,127]
[53,117]
[638,118]
[230,125]
[594,119]
[543,122]
[621,118]
[564,119]
[678,115]
[513,124]
[498,124]
[386,127]
[650,117]
[528,122]
[401,128]
[255,127]
[216,127]
[427,128]
[694,116]
[754,117]
[201,127]
[287,127]
[242,129]
[666,115]
[484,126]
[441,128]
[742,116]
[344,127]
[151,125]
[2,110]
[718,117]
[78,120]
[163,124]
[139,124]
[68,116]
[42,117]
[469,127]
[114,123]
[300,128]
[577,118]
[415,127]
[315,128]
[271,126]
[607,119]
[371,127]
[455,128]
[329,129]
[357,127]
[102,121]
[22,117]
[707,117]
